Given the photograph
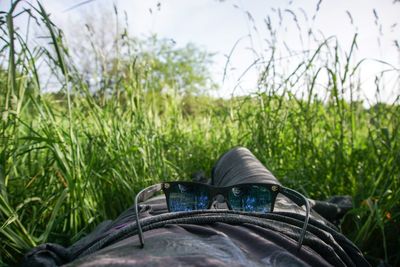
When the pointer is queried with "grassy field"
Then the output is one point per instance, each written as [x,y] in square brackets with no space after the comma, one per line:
[71,159]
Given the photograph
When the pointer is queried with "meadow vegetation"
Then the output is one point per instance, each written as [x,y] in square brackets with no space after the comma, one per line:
[74,157]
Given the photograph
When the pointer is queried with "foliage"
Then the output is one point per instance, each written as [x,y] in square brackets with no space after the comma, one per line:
[71,159]
[105,54]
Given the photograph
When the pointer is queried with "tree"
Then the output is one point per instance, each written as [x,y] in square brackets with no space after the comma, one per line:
[105,53]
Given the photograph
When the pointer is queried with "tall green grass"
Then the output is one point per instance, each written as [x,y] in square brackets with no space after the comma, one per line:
[72,159]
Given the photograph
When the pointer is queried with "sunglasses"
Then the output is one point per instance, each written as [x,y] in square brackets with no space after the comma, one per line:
[247,197]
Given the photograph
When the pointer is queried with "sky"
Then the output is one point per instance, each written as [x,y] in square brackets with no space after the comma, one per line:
[217,25]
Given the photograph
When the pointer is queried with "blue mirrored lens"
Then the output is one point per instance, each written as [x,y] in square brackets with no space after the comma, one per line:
[184,197]
[252,198]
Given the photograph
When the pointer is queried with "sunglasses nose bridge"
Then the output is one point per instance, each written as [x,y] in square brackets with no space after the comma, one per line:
[219,198]
[217,194]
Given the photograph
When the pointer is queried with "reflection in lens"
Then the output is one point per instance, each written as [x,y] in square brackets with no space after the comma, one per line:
[252,198]
[182,188]
[188,197]
[236,191]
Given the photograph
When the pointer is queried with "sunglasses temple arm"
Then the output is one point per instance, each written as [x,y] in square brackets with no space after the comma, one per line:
[144,195]
[300,200]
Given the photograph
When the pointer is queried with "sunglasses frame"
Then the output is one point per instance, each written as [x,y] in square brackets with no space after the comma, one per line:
[213,191]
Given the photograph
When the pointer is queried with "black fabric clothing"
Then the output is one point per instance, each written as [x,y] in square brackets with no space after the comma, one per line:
[239,165]
[214,237]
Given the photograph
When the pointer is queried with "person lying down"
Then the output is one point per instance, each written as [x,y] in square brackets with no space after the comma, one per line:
[243,216]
